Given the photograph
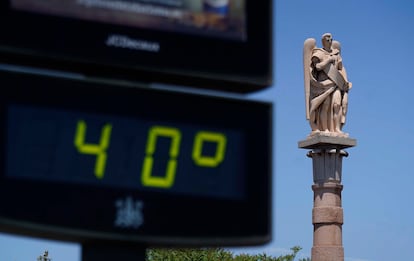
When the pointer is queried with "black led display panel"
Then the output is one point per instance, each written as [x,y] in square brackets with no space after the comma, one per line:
[84,160]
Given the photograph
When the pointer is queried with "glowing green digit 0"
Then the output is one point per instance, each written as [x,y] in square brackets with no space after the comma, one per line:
[94,149]
[168,180]
[209,161]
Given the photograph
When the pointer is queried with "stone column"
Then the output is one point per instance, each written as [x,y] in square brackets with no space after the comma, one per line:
[327,214]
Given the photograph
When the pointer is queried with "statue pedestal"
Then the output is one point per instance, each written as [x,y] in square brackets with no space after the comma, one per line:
[327,213]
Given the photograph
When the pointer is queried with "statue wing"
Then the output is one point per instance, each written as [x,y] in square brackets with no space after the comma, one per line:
[308,47]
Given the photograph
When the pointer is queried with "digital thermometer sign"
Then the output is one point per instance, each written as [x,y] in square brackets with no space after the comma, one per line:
[82,160]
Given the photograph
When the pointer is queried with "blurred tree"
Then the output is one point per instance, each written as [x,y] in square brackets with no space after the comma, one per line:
[215,254]
[44,257]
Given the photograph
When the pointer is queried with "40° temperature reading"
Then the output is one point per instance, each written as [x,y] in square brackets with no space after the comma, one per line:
[136,153]
[174,134]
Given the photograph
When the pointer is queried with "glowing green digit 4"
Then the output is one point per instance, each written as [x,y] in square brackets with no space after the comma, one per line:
[168,180]
[94,149]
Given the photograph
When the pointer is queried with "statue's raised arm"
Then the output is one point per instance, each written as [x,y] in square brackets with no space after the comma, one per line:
[326,86]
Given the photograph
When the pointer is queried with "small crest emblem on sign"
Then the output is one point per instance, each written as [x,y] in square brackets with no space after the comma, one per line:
[129,213]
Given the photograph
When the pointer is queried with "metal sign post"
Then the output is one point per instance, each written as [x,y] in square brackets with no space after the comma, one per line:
[104,251]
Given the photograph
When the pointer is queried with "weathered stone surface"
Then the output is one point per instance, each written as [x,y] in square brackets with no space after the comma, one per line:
[327,253]
[327,235]
[327,194]
[327,215]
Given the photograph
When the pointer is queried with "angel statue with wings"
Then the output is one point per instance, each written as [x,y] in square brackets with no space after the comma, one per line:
[326,86]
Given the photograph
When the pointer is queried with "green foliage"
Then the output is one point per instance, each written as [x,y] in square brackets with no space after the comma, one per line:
[187,255]
[216,254]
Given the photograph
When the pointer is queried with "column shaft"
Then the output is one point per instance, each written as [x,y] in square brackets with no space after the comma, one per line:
[327,213]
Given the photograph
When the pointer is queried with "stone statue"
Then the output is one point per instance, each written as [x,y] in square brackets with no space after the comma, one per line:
[326,87]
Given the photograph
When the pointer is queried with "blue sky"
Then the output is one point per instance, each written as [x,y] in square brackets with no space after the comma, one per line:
[377,39]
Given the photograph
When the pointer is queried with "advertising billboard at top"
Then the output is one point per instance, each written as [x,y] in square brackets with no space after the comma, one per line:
[216,44]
